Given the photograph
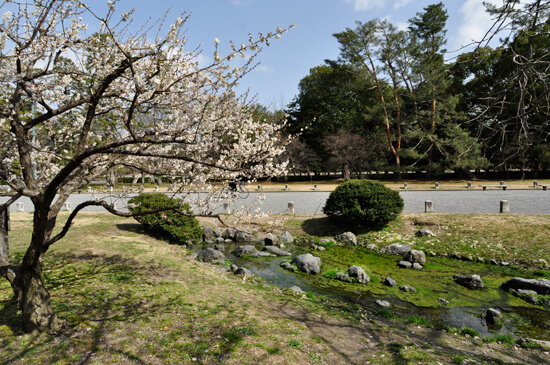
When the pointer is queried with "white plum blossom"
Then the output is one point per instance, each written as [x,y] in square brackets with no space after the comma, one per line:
[75,106]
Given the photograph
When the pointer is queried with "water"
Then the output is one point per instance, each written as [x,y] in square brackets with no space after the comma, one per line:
[529,322]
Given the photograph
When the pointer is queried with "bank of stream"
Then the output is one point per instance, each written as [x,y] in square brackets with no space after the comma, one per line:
[438,300]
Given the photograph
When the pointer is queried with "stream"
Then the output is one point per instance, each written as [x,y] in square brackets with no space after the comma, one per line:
[519,318]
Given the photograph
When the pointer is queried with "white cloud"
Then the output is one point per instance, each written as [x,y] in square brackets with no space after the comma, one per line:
[203,60]
[360,5]
[400,3]
[474,23]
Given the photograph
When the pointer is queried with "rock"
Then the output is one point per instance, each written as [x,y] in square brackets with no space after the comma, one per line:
[247,250]
[297,289]
[415,256]
[407,289]
[243,272]
[372,247]
[443,301]
[383,303]
[469,281]
[263,254]
[546,304]
[342,277]
[526,292]
[208,234]
[209,254]
[541,286]
[531,299]
[218,233]
[286,237]
[494,262]
[456,255]
[397,249]
[307,263]
[241,236]
[417,266]
[229,233]
[233,268]
[319,248]
[424,232]
[277,251]
[492,316]
[404,264]
[504,263]
[388,281]
[287,265]
[346,238]
[543,263]
[270,239]
[219,240]
[219,247]
[359,274]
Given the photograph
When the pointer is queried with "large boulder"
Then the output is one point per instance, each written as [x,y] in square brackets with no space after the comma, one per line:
[359,274]
[397,249]
[347,238]
[286,237]
[541,286]
[307,263]
[492,316]
[415,256]
[277,251]
[209,254]
[270,239]
[469,281]
[241,236]
[388,281]
[229,233]
[247,250]
[342,277]
[208,234]
[424,232]
[244,272]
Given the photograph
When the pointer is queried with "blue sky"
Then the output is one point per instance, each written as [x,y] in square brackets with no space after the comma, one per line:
[286,61]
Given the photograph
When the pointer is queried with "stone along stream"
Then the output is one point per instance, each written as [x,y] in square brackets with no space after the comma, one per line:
[438,298]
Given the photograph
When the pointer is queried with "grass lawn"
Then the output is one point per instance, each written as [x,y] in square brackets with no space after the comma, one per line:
[128,298]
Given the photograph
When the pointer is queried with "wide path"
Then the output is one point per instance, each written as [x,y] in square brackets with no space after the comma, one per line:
[446,201]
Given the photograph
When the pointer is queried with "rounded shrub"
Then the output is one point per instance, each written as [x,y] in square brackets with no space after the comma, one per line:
[176,227]
[364,203]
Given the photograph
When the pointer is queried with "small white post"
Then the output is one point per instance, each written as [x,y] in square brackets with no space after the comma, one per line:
[504,206]
[502,183]
[20,207]
[291,207]
[157,188]
[437,185]
[226,208]
[89,189]
[286,187]
[315,187]
[67,206]
[535,184]
[405,186]
[428,206]
[111,189]
[259,187]
[469,184]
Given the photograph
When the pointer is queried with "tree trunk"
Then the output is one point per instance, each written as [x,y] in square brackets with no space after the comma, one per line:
[345,171]
[37,312]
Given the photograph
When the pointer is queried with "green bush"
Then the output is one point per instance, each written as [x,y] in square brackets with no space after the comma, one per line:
[364,203]
[177,228]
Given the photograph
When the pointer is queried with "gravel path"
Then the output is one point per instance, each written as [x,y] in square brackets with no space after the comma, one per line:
[476,201]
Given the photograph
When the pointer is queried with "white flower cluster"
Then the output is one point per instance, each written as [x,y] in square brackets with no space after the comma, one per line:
[73,106]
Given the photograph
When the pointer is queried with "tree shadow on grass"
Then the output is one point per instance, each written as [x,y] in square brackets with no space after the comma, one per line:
[330,226]
[105,300]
